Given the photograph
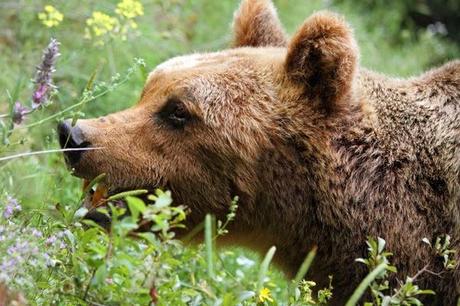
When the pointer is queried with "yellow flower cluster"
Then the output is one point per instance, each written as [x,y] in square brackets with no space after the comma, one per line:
[265,295]
[100,24]
[50,16]
[130,9]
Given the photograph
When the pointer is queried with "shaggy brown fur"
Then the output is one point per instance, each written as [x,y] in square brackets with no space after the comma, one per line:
[320,151]
[256,24]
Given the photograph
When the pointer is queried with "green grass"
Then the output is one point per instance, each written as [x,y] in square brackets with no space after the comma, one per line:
[46,190]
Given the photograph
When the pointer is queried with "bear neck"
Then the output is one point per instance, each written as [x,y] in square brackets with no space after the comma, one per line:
[294,207]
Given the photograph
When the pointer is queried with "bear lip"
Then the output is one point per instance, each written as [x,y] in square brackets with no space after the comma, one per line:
[99,194]
[98,197]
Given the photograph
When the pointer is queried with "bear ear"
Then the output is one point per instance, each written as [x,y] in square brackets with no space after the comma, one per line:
[256,24]
[323,56]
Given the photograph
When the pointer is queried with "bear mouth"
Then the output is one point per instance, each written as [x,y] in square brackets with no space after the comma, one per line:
[97,194]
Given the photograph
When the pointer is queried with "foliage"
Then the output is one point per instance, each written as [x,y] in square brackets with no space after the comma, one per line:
[407,294]
[414,16]
[53,257]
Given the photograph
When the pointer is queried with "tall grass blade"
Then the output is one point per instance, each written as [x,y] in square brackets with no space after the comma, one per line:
[264,267]
[131,193]
[305,266]
[191,234]
[26,154]
[208,245]
[359,291]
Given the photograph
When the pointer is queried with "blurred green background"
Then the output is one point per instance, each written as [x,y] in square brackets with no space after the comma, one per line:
[398,38]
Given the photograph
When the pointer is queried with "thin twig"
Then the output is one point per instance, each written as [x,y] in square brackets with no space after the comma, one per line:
[423,270]
[89,284]
[25,154]
[82,102]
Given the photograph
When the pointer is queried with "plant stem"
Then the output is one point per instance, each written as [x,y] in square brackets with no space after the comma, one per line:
[82,102]
[89,284]
[25,154]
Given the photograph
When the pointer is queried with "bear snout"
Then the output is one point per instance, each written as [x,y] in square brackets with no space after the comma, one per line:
[72,137]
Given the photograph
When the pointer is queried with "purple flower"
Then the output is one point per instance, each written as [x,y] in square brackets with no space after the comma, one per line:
[12,206]
[39,95]
[48,260]
[18,249]
[36,233]
[8,264]
[43,81]
[51,240]
[19,112]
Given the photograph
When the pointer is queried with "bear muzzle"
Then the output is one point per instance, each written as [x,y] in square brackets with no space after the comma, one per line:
[71,138]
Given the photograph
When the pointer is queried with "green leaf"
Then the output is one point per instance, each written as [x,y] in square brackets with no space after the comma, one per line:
[163,199]
[229,299]
[381,244]
[149,237]
[246,295]
[362,260]
[80,213]
[136,206]
[392,269]
[90,83]
[427,241]
[99,275]
[426,292]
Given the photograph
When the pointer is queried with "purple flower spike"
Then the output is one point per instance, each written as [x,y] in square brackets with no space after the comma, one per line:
[39,95]
[19,112]
[12,205]
[43,80]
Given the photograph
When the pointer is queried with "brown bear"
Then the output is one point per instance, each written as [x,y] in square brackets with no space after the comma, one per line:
[320,151]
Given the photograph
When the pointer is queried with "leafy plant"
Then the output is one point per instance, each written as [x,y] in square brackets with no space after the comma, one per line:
[378,263]
[443,250]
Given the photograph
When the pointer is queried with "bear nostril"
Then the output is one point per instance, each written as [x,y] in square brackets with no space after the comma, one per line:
[71,137]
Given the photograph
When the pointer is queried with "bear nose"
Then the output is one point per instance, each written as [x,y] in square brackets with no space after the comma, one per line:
[71,137]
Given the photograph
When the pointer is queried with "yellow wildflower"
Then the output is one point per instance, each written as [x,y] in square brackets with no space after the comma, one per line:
[129,9]
[264,295]
[100,24]
[50,16]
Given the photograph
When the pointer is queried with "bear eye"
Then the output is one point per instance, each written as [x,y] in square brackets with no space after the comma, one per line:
[174,113]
